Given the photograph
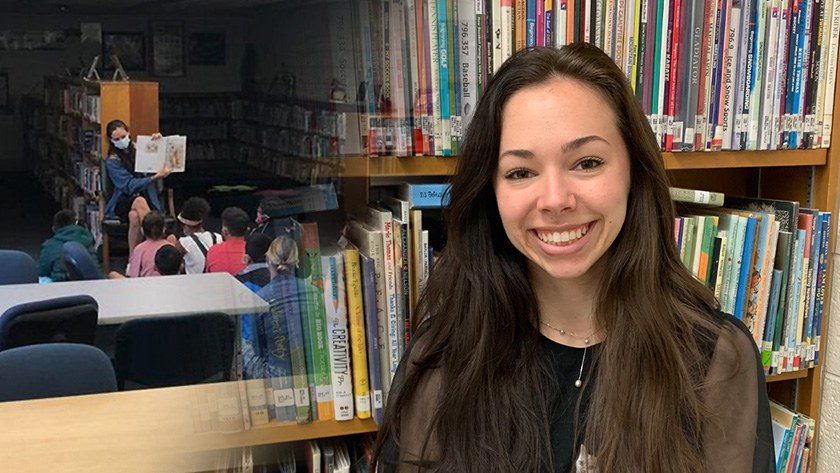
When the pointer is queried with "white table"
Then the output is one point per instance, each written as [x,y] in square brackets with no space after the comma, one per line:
[121,300]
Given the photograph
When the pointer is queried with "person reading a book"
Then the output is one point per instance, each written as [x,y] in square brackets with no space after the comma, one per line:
[197,241]
[559,330]
[133,195]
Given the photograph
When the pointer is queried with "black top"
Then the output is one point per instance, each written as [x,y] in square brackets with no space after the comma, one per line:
[742,443]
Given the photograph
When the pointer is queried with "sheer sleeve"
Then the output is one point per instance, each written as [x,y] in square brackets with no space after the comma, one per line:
[740,438]
[402,453]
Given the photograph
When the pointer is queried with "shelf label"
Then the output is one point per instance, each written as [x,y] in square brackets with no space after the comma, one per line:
[284,398]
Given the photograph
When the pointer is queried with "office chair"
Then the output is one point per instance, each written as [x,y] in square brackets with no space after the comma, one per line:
[53,370]
[78,263]
[17,267]
[174,351]
[70,319]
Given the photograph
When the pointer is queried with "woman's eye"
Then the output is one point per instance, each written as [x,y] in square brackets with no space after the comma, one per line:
[518,174]
[589,164]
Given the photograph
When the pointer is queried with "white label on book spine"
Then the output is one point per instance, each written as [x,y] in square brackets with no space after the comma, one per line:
[229,407]
[256,397]
[678,132]
[456,125]
[302,397]
[817,343]
[377,399]
[774,359]
[284,398]
[324,393]
[702,197]
[363,403]
[689,136]
[810,356]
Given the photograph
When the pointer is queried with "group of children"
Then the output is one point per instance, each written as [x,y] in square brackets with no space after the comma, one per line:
[197,251]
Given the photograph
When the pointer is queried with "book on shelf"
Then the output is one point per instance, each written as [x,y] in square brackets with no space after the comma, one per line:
[153,154]
[765,262]
[710,76]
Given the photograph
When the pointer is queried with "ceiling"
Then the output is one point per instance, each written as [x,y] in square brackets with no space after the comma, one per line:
[200,7]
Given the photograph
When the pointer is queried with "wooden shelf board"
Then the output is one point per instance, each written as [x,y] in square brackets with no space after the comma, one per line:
[745,159]
[275,432]
[393,166]
[801,374]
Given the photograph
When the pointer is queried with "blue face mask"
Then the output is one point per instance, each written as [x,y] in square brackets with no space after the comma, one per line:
[123,143]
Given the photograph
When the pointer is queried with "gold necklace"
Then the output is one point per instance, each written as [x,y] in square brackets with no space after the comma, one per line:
[578,381]
[572,334]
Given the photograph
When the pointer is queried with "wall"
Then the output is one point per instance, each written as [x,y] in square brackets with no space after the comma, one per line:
[26,69]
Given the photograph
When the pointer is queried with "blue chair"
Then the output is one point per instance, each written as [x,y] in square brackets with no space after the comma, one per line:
[70,319]
[17,267]
[53,370]
[78,263]
[174,351]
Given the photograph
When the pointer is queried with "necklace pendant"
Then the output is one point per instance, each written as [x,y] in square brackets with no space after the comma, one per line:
[578,384]
[586,341]
[562,332]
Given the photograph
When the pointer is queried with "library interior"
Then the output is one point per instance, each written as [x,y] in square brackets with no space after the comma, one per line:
[224,213]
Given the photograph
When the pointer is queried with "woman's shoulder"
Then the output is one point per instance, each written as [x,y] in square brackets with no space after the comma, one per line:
[734,348]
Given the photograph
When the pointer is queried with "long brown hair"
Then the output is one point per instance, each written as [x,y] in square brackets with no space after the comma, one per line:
[490,415]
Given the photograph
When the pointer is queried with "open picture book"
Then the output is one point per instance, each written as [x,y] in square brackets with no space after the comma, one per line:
[153,154]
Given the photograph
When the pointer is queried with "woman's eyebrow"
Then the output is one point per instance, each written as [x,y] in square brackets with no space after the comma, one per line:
[570,146]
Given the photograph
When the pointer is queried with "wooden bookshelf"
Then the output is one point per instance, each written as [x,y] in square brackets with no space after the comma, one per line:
[801,374]
[275,432]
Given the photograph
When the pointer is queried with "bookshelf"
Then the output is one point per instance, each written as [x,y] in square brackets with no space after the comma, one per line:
[66,139]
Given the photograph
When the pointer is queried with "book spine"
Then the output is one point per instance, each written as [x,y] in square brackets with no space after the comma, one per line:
[387,78]
[714,73]
[813,74]
[519,23]
[772,309]
[311,261]
[549,22]
[406,130]
[672,76]
[831,73]
[806,73]
[359,354]
[437,107]
[766,283]
[756,91]
[723,65]
[421,105]
[339,336]
[413,64]
[290,304]
[639,76]
[561,31]
[824,257]
[731,75]
[825,27]
[507,36]
[530,23]
[279,360]
[375,336]
[629,40]
[746,269]
[478,51]
[539,24]
[429,56]
[781,68]
[443,52]
[744,69]
[467,72]
[454,74]
[798,73]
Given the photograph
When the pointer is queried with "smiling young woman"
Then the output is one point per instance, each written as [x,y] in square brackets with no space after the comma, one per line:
[562,332]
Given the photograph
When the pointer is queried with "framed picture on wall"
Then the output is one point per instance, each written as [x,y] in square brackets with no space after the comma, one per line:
[130,49]
[168,49]
[5,101]
[207,49]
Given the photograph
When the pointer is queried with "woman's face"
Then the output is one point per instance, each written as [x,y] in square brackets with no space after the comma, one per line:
[118,134]
[563,177]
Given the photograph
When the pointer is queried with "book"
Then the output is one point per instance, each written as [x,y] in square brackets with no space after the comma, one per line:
[310,260]
[360,349]
[424,196]
[698,197]
[379,388]
[152,155]
[332,264]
